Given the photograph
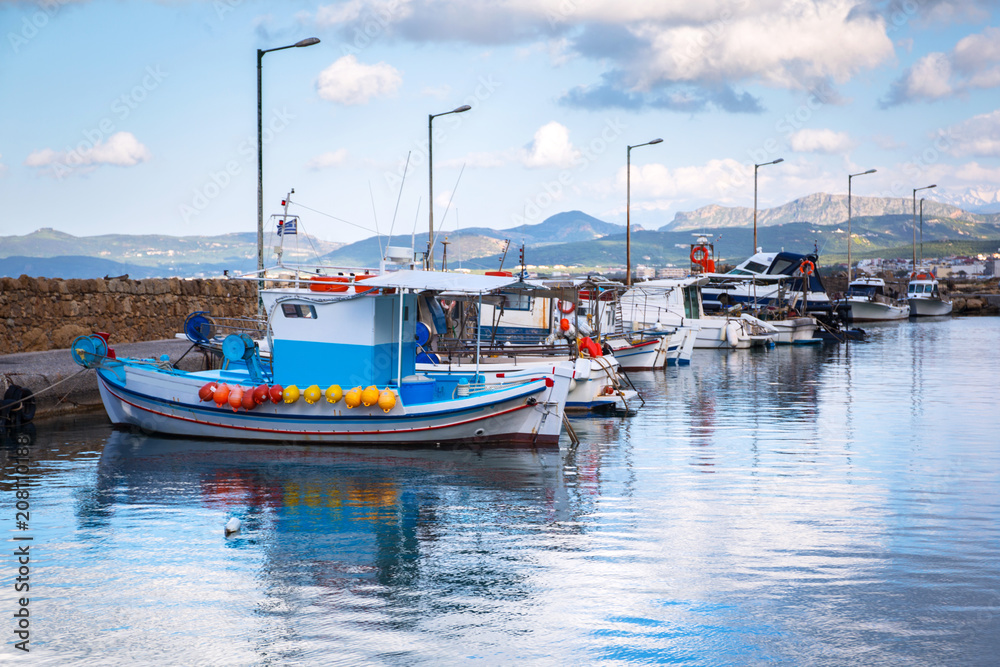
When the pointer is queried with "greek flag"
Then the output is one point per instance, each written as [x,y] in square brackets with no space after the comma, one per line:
[284,229]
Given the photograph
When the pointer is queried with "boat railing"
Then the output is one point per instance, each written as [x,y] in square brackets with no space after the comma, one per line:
[461,348]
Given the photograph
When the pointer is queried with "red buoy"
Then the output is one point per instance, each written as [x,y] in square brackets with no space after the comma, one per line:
[276,392]
[207,392]
[248,403]
[260,394]
[221,394]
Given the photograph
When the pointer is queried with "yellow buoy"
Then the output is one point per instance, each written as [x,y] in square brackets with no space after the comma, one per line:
[387,400]
[333,393]
[312,394]
[291,394]
[370,396]
[353,398]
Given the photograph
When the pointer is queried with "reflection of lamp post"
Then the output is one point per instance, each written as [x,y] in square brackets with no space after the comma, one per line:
[628,209]
[755,168]
[915,190]
[430,180]
[849,177]
[260,155]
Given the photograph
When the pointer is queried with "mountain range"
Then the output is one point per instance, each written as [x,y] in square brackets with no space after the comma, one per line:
[880,227]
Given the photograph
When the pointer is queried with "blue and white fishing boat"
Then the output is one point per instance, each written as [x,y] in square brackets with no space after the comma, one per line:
[924,296]
[341,370]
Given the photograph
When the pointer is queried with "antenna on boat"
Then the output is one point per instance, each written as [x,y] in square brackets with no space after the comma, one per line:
[399,196]
[506,244]
[413,234]
[375,216]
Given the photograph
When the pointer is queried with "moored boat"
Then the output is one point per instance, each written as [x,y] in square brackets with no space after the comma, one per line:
[322,344]
[868,302]
[924,296]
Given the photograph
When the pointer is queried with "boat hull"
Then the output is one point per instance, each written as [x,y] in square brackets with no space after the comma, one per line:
[929,307]
[874,311]
[167,403]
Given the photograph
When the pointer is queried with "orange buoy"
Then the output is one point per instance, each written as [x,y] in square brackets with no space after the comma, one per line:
[221,394]
[207,392]
[260,394]
[275,393]
[236,397]
[248,402]
[564,324]
[352,399]
[387,400]
[370,396]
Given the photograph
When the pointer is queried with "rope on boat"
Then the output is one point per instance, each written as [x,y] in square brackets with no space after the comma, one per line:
[55,384]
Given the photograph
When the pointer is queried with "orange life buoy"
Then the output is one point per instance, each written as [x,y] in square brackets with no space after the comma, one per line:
[699,254]
[565,307]
[807,267]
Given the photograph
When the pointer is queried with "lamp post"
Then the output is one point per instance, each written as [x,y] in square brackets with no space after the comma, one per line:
[430,180]
[849,177]
[628,209]
[260,158]
[922,200]
[755,168]
[915,190]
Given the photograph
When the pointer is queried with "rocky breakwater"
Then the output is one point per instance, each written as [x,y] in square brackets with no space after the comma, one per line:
[38,314]
[974,298]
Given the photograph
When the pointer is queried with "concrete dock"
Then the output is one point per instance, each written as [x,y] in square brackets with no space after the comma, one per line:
[76,391]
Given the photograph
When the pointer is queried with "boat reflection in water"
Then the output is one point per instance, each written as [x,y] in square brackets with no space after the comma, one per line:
[319,514]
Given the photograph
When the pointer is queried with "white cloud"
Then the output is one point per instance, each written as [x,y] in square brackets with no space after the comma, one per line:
[979,136]
[648,45]
[973,64]
[820,141]
[349,82]
[551,147]
[328,159]
[121,149]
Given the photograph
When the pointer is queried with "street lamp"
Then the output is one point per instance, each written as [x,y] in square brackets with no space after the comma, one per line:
[260,159]
[430,180]
[849,177]
[628,209]
[755,168]
[922,200]
[915,190]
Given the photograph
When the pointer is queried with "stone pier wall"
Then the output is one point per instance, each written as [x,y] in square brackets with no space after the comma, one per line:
[39,314]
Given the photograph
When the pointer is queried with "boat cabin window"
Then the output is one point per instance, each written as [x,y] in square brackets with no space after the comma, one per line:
[785,267]
[863,290]
[298,310]
[740,272]
[754,267]
[516,301]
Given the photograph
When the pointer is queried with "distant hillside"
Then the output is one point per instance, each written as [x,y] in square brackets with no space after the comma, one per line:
[147,255]
[77,266]
[818,209]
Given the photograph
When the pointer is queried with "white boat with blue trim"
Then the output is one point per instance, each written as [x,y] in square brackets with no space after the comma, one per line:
[321,345]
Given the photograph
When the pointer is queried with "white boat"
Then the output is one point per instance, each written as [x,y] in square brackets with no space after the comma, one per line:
[795,330]
[677,303]
[924,297]
[868,302]
[519,328]
[361,337]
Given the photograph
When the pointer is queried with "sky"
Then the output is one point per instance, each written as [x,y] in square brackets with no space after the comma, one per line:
[140,117]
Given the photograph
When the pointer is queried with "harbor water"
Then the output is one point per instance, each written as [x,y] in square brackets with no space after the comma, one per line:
[814,505]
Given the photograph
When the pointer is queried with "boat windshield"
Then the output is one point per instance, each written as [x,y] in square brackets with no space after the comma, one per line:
[784,266]
[862,290]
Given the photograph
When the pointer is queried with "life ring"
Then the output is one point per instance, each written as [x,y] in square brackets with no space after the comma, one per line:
[807,267]
[566,307]
[699,254]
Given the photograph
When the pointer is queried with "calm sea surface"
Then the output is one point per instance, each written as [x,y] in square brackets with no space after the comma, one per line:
[834,505]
